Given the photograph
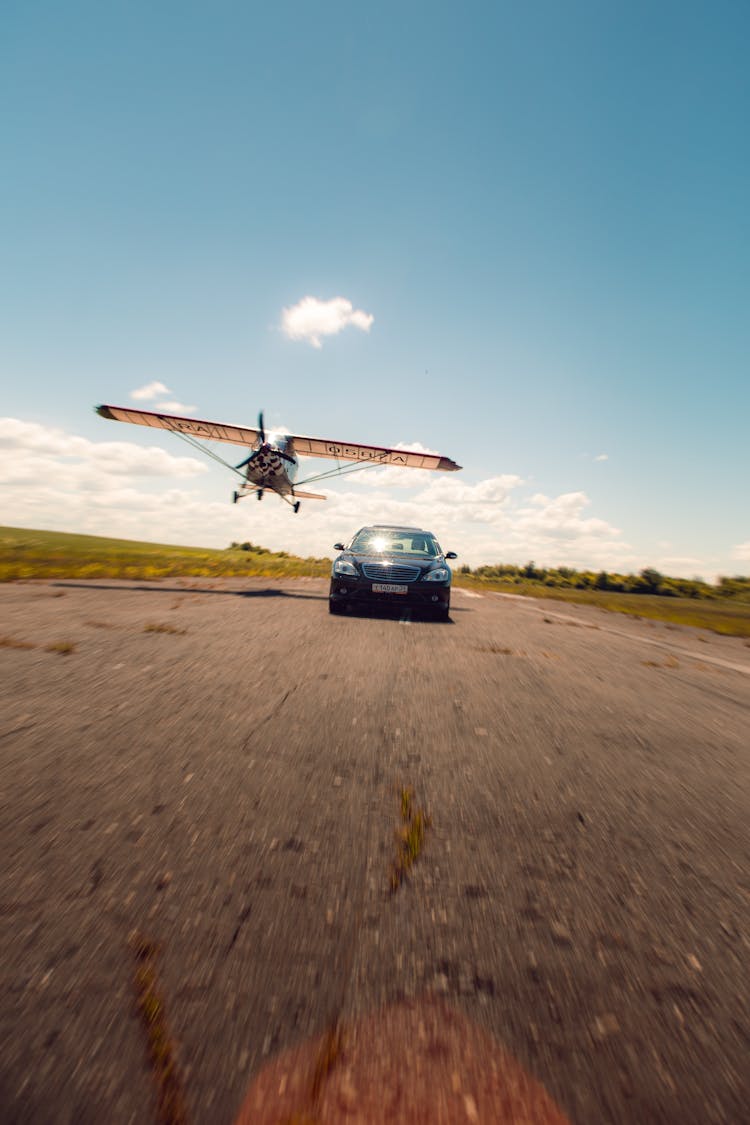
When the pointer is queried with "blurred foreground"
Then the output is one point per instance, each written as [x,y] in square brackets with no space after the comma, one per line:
[216,891]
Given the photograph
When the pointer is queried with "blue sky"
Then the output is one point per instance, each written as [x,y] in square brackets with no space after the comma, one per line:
[543,208]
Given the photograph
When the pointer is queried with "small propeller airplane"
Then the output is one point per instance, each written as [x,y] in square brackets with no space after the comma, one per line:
[272,463]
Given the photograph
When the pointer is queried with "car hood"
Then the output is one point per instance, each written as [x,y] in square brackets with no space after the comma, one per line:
[395,559]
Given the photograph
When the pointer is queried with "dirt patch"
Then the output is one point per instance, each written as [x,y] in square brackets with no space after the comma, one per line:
[417,1061]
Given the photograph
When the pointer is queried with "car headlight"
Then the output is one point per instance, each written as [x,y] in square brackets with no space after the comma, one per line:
[439,574]
[341,566]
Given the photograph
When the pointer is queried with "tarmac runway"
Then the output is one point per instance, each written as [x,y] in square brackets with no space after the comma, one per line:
[219,768]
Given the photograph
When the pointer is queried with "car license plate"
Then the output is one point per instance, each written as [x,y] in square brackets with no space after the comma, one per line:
[388,588]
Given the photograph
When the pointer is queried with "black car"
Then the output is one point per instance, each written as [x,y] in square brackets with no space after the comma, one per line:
[396,566]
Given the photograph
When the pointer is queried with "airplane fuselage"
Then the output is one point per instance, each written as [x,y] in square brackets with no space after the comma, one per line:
[268,469]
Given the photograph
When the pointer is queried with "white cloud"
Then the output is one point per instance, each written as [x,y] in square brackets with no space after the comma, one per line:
[375,476]
[310,319]
[741,553]
[149,391]
[59,480]
[485,524]
[73,463]
[174,408]
[602,457]
[415,447]
[680,566]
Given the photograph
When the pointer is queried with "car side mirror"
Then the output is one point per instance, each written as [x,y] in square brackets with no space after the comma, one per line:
[451,555]
[339,547]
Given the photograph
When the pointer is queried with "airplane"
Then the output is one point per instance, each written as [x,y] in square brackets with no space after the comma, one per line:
[272,464]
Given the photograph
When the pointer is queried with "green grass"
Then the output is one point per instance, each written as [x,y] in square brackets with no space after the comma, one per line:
[727,616]
[54,554]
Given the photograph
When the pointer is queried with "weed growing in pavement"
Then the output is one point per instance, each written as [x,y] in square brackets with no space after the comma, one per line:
[155,627]
[61,647]
[160,1045]
[12,642]
[409,838]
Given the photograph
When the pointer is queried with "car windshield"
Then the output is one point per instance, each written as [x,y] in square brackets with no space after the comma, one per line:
[381,541]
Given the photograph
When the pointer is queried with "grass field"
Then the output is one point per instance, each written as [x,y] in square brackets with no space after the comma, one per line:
[728,616]
[53,554]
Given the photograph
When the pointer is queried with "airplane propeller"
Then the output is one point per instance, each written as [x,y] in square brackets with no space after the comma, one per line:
[255,452]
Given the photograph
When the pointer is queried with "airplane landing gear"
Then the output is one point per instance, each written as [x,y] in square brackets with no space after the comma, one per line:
[296,506]
[260,493]
[235,497]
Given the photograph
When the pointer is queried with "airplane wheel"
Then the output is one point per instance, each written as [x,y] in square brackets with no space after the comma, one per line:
[260,493]
[296,507]
[235,497]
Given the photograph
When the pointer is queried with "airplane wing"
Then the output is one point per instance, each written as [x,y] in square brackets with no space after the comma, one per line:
[193,427]
[379,455]
[303,446]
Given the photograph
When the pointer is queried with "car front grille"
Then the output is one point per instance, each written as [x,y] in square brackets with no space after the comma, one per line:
[380,572]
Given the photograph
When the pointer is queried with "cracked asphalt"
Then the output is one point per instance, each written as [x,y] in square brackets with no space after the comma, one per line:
[216,765]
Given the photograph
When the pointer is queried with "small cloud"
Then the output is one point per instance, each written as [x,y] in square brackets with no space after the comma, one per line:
[174,408]
[741,553]
[149,391]
[310,319]
[415,447]
[682,566]
[602,457]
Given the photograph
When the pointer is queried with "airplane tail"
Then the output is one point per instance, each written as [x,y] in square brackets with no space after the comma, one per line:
[299,495]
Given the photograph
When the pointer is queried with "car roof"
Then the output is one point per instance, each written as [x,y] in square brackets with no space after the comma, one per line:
[394,527]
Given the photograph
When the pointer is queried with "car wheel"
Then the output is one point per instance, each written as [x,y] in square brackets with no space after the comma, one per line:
[335,607]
